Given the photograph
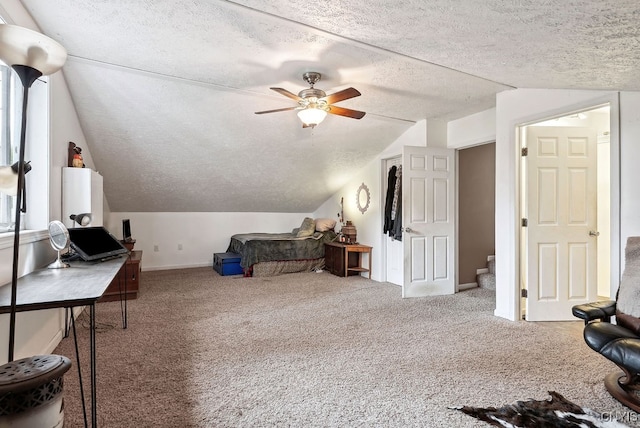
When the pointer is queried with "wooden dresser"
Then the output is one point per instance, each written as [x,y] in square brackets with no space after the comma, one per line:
[346,259]
[129,274]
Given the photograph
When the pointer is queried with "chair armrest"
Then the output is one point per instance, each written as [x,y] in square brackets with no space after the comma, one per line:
[602,311]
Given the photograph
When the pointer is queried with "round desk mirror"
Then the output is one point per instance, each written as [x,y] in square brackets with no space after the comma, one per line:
[59,238]
[363,198]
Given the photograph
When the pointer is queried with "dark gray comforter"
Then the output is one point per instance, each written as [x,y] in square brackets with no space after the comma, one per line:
[265,247]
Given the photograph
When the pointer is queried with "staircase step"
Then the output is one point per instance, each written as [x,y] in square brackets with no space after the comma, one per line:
[487,280]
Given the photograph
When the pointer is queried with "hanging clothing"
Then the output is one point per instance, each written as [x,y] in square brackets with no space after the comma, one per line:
[397,222]
[394,208]
[388,205]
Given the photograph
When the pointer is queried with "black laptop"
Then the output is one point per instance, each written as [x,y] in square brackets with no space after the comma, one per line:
[95,243]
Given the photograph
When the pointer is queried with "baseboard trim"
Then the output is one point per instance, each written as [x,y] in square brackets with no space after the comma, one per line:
[169,267]
[54,342]
[467,286]
[482,270]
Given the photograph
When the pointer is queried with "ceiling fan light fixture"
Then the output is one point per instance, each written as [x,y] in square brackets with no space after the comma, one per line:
[314,104]
[312,116]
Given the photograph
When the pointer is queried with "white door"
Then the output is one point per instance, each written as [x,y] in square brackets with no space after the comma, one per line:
[561,232]
[428,220]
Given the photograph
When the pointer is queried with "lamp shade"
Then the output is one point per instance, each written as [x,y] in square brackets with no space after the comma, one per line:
[82,219]
[22,46]
[312,116]
[9,178]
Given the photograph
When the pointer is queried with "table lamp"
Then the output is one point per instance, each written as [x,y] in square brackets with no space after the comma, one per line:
[83,219]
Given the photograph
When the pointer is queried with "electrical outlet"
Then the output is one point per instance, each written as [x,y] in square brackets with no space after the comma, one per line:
[179,247]
[155,248]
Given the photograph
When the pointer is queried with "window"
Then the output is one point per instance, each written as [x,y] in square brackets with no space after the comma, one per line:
[10,99]
[36,150]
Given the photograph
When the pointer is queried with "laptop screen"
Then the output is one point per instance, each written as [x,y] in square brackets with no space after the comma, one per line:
[95,243]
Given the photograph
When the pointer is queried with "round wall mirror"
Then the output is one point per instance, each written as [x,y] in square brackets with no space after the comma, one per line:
[59,239]
[363,198]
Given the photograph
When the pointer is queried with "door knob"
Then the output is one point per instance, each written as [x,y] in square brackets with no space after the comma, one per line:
[408,230]
[594,233]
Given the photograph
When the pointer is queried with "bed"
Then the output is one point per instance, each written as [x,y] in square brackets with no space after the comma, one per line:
[270,254]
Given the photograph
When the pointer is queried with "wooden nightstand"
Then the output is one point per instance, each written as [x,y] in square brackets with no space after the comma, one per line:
[346,259]
[129,273]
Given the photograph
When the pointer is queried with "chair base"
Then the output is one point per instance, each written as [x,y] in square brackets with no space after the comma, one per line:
[626,394]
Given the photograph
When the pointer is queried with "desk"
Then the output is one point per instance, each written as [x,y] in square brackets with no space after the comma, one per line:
[82,284]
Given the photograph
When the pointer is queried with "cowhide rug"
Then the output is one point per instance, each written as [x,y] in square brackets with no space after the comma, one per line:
[557,412]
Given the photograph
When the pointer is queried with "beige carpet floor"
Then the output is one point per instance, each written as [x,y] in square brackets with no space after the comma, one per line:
[316,350]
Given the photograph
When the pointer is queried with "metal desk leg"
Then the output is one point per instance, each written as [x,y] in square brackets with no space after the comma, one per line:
[75,341]
[123,302]
[66,321]
[92,340]
[123,298]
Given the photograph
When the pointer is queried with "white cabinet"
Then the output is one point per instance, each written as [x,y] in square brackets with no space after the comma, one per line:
[81,193]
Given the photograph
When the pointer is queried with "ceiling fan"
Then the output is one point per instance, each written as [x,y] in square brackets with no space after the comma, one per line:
[314,104]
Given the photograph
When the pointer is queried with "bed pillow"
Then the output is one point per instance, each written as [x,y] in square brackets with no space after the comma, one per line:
[307,228]
[325,224]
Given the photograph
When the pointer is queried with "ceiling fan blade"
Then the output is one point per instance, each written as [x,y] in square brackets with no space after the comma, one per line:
[277,110]
[286,93]
[345,94]
[341,111]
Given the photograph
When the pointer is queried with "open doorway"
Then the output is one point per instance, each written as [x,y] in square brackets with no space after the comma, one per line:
[565,206]
[476,216]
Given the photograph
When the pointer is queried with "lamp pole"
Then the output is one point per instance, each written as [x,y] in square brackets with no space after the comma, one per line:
[31,55]
[27,75]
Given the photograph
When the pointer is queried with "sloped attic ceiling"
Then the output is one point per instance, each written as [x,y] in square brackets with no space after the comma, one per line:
[166,90]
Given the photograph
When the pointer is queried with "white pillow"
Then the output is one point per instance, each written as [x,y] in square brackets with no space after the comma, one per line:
[325,224]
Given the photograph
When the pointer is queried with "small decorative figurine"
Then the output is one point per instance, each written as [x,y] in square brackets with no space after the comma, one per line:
[75,156]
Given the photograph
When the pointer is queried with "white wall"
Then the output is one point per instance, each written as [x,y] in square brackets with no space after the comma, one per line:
[629,170]
[65,128]
[368,225]
[199,234]
[437,133]
[478,128]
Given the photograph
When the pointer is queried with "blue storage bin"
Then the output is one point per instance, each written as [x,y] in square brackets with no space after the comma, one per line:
[227,264]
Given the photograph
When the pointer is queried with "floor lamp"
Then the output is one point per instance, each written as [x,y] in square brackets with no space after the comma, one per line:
[31,55]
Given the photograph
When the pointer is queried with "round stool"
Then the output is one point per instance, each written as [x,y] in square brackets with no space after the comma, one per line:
[31,392]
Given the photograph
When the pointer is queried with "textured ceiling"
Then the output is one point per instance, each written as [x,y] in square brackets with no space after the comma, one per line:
[166,90]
